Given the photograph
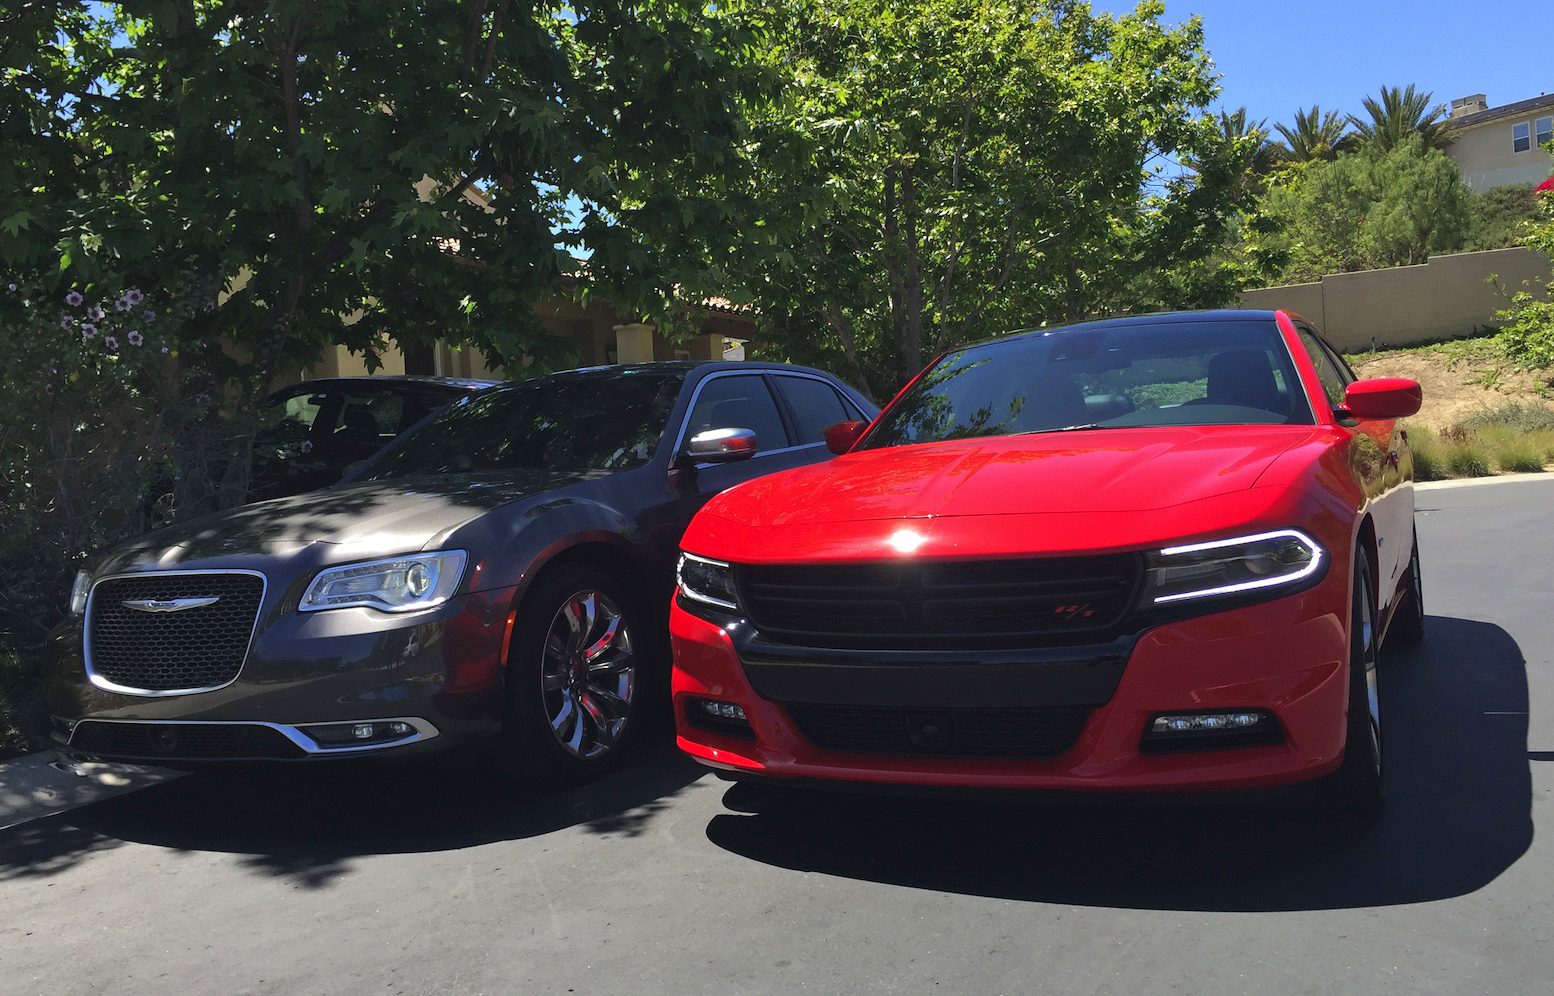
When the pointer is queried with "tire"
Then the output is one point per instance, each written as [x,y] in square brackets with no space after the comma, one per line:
[574,679]
[1408,623]
[1357,785]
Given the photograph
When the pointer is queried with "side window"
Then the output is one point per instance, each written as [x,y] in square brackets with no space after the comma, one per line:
[815,404]
[292,418]
[1331,371]
[739,402]
[371,417]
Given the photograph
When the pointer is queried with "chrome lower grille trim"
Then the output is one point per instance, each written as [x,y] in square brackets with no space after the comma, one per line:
[295,735]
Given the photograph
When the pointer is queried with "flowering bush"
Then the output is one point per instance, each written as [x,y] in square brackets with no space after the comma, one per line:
[1528,336]
[106,421]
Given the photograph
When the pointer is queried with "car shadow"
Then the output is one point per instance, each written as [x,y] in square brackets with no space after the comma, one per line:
[1458,814]
[308,825]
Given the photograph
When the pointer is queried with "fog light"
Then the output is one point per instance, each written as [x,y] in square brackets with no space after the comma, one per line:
[723,717]
[723,710]
[399,729]
[1230,729]
[1205,722]
[362,731]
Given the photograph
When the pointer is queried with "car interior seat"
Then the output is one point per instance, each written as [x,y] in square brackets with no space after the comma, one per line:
[357,423]
[1244,377]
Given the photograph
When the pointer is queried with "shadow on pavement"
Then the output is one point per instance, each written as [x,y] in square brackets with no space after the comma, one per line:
[308,824]
[1458,814]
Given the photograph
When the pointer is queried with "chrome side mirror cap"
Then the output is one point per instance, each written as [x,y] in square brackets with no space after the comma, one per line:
[721,445]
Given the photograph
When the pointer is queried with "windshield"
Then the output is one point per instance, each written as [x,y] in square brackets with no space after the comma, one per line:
[608,420]
[1166,373]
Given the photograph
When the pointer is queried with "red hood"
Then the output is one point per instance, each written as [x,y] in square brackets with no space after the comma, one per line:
[1104,470]
[1081,491]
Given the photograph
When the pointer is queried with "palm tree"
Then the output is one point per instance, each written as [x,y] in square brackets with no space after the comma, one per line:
[1315,136]
[1399,114]
[1262,157]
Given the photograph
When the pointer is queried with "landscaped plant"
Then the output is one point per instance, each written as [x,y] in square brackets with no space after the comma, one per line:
[1528,336]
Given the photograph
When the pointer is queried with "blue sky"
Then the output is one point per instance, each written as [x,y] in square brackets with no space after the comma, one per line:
[1275,56]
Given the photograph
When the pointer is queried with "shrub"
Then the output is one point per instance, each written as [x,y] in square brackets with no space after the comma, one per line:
[1520,415]
[1429,455]
[1467,459]
[1520,459]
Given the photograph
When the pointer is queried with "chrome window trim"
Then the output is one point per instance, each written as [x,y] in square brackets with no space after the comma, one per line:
[423,731]
[109,686]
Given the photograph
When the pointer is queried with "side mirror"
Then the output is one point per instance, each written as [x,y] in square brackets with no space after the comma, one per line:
[843,435]
[1381,398]
[721,446]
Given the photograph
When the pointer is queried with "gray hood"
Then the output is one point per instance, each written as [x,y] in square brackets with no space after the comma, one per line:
[381,518]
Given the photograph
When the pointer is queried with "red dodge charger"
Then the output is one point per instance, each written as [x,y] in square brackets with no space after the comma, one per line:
[1148,554]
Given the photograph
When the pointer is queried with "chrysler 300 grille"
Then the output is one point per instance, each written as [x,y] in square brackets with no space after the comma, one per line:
[183,741]
[189,649]
[911,605]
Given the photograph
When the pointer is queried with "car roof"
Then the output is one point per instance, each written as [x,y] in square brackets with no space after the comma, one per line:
[406,380]
[1148,318]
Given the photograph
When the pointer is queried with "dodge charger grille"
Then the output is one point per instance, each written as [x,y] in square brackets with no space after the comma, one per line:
[186,649]
[927,604]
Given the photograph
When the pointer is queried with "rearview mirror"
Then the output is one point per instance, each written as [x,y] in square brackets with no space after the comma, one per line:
[721,445]
[1381,398]
[843,435]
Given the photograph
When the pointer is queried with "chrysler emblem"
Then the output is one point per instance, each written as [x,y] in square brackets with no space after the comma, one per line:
[168,604]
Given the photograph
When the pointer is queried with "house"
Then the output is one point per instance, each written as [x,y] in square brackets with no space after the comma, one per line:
[602,335]
[1500,145]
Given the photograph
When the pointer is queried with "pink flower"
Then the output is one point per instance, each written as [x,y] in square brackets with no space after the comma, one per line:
[1545,186]
[96,313]
[148,315]
[135,338]
[123,304]
[133,296]
[88,331]
[73,299]
[111,343]
[66,322]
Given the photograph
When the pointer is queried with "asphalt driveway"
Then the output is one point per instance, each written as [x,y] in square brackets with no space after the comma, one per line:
[663,879]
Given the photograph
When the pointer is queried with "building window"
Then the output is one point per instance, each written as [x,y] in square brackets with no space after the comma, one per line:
[1545,130]
[1521,137]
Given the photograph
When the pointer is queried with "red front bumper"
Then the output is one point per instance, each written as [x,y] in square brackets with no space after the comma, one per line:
[1288,656]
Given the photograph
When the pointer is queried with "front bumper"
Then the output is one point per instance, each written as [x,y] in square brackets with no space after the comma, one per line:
[310,686]
[1287,657]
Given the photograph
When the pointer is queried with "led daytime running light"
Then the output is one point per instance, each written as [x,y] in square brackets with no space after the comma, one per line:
[705,580]
[1275,541]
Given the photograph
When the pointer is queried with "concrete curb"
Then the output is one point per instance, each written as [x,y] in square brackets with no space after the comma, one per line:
[1473,482]
[33,786]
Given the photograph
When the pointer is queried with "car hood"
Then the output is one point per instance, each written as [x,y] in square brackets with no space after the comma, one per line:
[1098,470]
[361,520]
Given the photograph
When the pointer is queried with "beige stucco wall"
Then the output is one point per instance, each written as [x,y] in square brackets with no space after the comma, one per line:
[1446,298]
[1483,153]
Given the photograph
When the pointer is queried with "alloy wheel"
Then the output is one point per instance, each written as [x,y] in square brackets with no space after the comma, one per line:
[588,674]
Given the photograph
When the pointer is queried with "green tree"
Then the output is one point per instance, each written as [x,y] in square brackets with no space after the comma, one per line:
[1368,210]
[1315,135]
[1398,114]
[1500,216]
[952,168]
[1528,336]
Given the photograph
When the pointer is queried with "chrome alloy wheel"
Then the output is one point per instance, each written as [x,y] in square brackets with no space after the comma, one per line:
[588,674]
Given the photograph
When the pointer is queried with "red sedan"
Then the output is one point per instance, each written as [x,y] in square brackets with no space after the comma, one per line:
[1147,554]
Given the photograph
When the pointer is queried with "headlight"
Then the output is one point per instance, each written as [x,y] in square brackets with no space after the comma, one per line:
[1230,566]
[78,593]
[403,584]
[710,581]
